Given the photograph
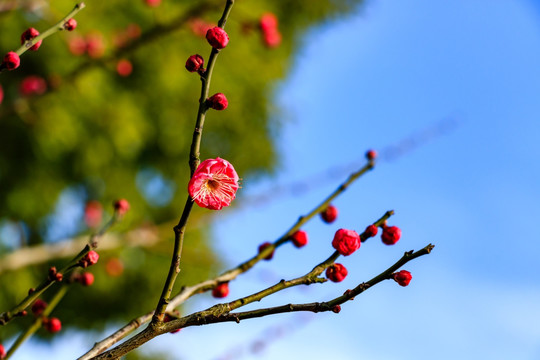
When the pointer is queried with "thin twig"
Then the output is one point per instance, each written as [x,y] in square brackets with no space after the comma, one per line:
[59,26]
[221,312]
[7,316]
[180,228]
[188,291]
[38,321]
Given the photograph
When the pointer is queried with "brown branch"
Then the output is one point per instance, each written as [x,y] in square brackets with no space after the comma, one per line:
[221,312]
[7,316]
[180,228]
[188,291]
[37,322]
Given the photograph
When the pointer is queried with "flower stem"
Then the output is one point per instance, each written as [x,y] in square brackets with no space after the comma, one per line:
[194,161]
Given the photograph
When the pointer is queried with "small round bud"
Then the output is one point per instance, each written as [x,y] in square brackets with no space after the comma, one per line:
[95,45]
[152,3]
[70,25]
[402,277]
[11,60]
[38,306]
[93,213]
[299,238]
[89,259]
[391,235]
[29,34]
[53,325]
[194,63]
[371,155]
[336,272]
[124,67]
[268,22]
[264,246]
[217,37]
[114,267]
[370,231]
[336,309]
[32,85]
[329,214]
[86,279]
[77,45]
[121,206]
[272,38]
[221,291]
[346,241]
[217,102]
[2,352]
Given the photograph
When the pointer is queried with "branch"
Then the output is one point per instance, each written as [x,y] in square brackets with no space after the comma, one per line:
[37,323]
[231,274]
[53,29]
[180,228]
[221,312]
[7,316]
[188,291]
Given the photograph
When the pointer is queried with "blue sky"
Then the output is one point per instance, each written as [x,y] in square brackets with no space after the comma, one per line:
[368,81]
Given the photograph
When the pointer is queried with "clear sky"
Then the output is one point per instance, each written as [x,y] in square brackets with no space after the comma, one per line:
[368,81]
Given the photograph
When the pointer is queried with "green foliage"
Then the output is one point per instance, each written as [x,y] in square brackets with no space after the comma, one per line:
[107,134]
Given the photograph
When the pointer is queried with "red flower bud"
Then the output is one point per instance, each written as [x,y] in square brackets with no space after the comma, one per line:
[70,25]
[90,259]
[391,235]
[346,241]
[221,291]
[336,309]
[124,67]
[194,63]
[11,61]
[152,3]
[299,238]
[29,34]
[336,272]
[371,155]
[217,102]
[217,37]
[1,94]
[38,306]
[93,212]
[32,85]
[114,267]
[121,206]
[370,231]
[402,277]
[86,279]
[272,38]
[329,214]
[2,352]
[268,22]
[264,246]
[53,325]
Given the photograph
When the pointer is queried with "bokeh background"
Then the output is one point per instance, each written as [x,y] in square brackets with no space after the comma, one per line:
[446,92]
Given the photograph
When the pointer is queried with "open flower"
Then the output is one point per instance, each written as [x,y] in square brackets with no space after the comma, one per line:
[214,184]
